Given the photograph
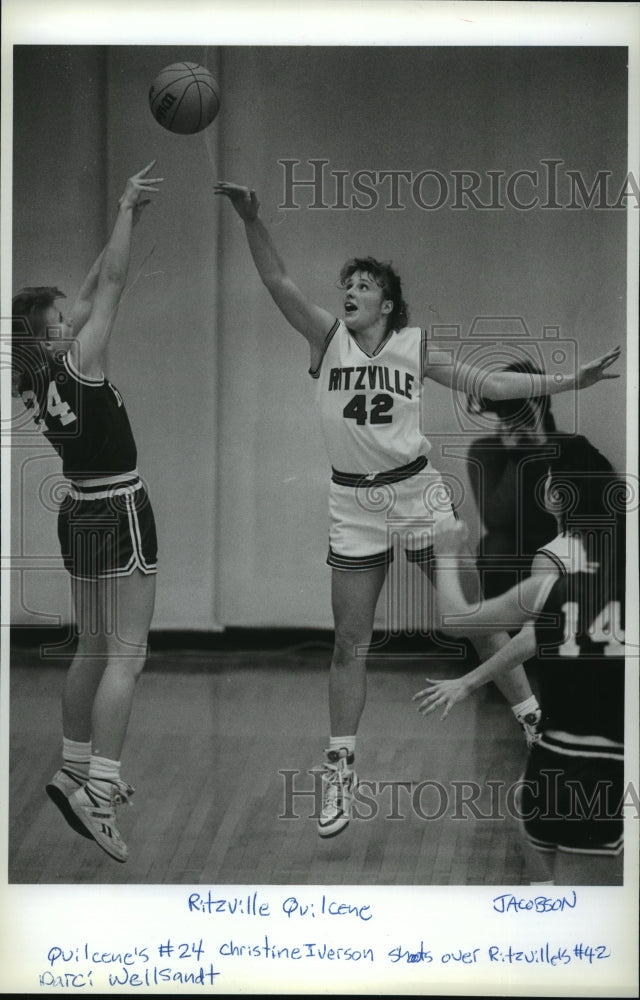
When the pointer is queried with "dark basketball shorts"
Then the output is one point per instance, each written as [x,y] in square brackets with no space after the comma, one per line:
[369,516]
[107,529]
[572,796]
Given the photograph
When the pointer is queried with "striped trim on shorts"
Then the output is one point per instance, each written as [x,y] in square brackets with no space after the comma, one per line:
[371,511]
[571,799]
[106,528]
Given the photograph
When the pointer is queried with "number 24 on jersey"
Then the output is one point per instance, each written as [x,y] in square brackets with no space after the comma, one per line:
[56,407]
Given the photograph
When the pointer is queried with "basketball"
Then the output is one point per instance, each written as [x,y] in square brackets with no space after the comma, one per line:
[184,98]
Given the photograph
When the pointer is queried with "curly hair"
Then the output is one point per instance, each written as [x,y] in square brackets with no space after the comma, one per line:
[387,279]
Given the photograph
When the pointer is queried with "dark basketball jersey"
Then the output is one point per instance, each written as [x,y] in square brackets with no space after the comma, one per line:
[506,484]
[581,657]
[83,418]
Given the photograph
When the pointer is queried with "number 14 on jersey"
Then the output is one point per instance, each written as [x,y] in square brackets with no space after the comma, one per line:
[605,630]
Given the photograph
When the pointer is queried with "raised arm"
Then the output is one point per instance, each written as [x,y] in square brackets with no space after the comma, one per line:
[81,309]
[473,380]
[313,322]
[100,295]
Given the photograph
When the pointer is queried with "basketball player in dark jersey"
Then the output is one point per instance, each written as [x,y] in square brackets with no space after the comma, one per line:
[570,612]
[369,369]
[503,468]
[106,526]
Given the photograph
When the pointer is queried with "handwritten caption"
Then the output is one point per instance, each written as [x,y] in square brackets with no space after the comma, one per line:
[202,961]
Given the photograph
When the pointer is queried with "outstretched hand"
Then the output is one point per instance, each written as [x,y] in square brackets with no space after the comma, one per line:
[138,186]
[440,694]
[596,371]
[242,198]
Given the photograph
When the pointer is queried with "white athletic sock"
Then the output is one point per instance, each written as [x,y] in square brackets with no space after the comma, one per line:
[103,773]
[343,742]
[530,704]
[76,756]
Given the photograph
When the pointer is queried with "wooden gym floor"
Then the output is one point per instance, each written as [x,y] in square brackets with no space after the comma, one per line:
[211,733]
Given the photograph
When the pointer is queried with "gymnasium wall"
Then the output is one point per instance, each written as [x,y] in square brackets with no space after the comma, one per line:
[215,381]
[59,179]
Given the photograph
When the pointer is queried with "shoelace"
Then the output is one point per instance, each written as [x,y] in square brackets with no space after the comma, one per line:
[122,794]
[333,778]
[530,724]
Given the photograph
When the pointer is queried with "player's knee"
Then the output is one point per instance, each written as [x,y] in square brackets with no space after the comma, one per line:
[90,645]
[127,668]
[351,646]
[130,651]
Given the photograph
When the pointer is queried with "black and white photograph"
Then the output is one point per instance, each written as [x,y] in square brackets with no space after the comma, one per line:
[320,498]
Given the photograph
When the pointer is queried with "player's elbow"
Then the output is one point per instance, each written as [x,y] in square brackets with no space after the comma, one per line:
[273,284]
[276,282]
[113,276]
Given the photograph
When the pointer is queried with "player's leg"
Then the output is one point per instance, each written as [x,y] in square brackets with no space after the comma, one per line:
[88,664]
[354,597]
[81,683]
[128,604]
[591,844]
[126,610]
[570,807]
[535,810]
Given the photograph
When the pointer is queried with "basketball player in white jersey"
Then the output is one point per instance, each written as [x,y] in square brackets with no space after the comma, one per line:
[368,369]
[570,613]
[106,526]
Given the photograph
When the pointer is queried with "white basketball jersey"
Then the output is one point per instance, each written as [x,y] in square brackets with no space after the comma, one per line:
[567,551]
[370,404]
